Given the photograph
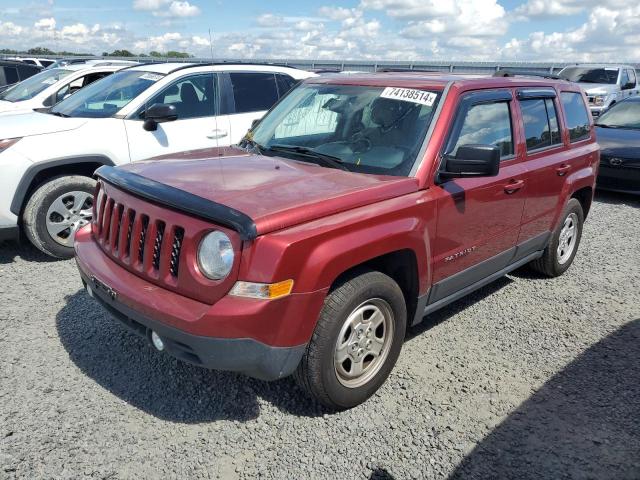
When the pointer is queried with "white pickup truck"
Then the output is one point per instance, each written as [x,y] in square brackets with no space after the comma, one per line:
[604,84]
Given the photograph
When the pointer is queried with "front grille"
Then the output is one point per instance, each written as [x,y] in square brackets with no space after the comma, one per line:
[152,246]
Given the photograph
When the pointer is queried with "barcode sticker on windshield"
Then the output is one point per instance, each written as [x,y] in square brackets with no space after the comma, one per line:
[154,77]
[409,95]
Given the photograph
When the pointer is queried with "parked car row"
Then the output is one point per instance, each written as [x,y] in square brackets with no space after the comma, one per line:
[305,241]
[12,72]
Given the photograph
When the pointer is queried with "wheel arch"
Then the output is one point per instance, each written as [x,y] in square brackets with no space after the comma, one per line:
[400,265]
[585,196]
[40,172]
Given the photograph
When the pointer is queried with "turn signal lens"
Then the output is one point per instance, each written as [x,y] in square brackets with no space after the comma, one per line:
[7,142]
[266,291]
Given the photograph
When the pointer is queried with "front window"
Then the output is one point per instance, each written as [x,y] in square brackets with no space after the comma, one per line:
[32,86]
[365,129]
[107,96]
[623,115]
[590,75]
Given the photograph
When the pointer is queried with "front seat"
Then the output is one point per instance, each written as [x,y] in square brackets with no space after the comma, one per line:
[189,101]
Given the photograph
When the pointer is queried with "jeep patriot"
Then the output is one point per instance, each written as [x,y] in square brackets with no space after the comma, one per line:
[354,208]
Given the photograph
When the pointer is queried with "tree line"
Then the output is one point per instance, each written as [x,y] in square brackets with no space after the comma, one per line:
[41,51]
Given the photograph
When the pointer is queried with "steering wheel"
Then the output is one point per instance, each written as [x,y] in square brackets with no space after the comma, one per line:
[359,142]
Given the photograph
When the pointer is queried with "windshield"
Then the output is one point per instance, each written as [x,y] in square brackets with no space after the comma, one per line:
[32,86]
[590,75]
[106,96]
[368,129]
[622,115]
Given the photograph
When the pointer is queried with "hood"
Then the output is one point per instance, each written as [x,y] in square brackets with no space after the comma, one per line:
[618,142]
[34,123]
[275,192]
[10,106]
[598,88]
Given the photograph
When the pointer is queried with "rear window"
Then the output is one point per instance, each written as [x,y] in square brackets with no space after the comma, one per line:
[540,123]
[11,75]
[254,92]
[576,115]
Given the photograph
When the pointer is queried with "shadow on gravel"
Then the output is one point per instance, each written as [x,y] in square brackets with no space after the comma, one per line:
[381,474]
[436,318]
[10,250]
[614,198]
[583,423]
[129,368]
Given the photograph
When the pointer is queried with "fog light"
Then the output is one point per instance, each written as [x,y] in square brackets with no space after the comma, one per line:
[157,341]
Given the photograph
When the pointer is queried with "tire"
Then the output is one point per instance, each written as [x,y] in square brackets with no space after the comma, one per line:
[363,296]
[49,202]
[553,263]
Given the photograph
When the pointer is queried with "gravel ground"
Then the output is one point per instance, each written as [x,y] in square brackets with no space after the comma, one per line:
[526,378]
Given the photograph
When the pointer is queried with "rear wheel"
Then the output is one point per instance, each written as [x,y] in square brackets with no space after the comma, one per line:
[55,212]
[356,341]
[563,246]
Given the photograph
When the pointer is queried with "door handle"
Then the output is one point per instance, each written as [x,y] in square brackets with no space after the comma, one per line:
[563,169]
[513,186]
[217,133]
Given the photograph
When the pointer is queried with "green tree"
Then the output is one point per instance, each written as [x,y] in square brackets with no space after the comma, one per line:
[40,51]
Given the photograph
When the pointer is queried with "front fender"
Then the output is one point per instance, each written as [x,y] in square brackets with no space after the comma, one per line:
[316,253]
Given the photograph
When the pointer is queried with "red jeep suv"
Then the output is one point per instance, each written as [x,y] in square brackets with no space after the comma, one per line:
[356,206]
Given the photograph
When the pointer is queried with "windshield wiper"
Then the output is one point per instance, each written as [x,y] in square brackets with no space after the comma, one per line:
[326,160]
[58,114]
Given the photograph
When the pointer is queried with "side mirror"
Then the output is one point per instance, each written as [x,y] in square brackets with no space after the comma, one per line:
[472,161]
[629,86]
[159,113]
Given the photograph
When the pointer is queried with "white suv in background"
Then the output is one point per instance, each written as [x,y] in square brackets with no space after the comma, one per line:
[604,84]
[47,159]
[49,87]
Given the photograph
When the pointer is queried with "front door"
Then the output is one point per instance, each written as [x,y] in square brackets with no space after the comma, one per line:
[478,218]
[196,127]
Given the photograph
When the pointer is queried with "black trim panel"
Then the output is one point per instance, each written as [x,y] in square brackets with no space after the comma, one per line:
[471,275]
[461,284]
[244,355]
[180,200]
[36,168]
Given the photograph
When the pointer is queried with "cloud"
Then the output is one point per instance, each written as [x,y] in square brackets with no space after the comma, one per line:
[269,20]
[543,9]
[167,8]
[45,24]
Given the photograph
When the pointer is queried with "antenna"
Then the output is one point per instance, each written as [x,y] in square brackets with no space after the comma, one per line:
[211,45]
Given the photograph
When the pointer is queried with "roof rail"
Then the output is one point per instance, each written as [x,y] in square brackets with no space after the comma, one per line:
[401,70]
[512,73]
[216,64]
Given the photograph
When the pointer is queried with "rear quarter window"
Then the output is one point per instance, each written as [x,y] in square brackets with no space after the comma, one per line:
[540,123]
[576,114]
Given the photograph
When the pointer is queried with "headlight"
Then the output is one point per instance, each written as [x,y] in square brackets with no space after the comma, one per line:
[598,100]
[7,142]
[215,255]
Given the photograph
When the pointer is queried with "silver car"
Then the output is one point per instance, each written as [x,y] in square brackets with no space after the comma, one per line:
[604,84]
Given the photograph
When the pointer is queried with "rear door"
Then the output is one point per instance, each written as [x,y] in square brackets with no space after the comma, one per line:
[547,161]
[195,98]
[247,97]
[479,218]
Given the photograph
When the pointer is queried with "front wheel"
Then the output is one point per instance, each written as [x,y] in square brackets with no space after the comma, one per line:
[55,212]
[563,246]
[356,341]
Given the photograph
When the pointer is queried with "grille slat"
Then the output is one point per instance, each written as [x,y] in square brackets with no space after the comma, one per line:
[129,232]
[106,224]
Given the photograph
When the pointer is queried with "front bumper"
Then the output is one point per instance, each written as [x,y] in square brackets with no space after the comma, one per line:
[262,339]
[619,179]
